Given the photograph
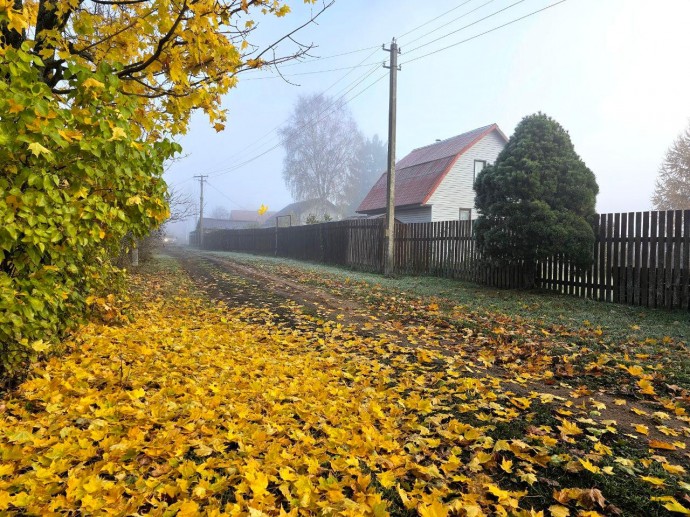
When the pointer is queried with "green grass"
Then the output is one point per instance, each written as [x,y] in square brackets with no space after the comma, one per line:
[618,322]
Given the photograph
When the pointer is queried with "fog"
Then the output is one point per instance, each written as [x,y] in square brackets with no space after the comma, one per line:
[614,73]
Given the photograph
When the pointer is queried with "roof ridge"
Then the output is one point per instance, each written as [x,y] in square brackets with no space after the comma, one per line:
[482,128]
[420,163]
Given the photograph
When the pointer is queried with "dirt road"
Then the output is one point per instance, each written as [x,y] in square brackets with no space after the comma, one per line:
[517,352]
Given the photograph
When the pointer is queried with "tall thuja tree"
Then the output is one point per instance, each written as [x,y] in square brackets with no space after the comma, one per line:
[537,200]
[91,93]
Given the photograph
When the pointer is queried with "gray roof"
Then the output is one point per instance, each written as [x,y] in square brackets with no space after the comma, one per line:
[310,206]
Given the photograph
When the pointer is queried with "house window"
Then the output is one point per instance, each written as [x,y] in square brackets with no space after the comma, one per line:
[465,214]
[478,166]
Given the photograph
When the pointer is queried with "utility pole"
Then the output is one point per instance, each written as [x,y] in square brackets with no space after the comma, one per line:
[390,194]
[202,178]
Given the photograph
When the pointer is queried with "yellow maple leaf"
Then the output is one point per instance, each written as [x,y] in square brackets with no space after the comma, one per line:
[641,428]
[407,502]
[558,510]
[568,428]
[258,482]
[262,209]
[287,474]
[653,480]
[118,134]
[672,505]
[435,509]
[676,470]
[16,20]
[93,484]
[5,499]
[40,346]
[387,479]
[658,444]
[188,509]
[37,149]
[589,466]
[15,107]
[92,83]
[507,465]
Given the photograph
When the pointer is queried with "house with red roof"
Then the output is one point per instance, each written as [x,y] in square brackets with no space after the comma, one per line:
[436,182]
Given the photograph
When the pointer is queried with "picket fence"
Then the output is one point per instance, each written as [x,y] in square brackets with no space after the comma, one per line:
[639,258]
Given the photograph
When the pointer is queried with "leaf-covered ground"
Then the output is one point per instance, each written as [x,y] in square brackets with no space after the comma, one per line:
[398,404]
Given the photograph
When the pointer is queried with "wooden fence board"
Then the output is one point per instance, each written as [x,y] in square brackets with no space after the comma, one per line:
[677,244]
[668,264]
[653,257]
[661,260]
[644,261]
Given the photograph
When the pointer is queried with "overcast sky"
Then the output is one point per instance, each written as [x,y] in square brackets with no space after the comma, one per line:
[614,73]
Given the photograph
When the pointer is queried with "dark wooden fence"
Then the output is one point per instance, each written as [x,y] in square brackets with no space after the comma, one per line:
[639,258]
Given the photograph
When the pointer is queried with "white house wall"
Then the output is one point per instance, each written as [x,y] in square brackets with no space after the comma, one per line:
[413,215]
[457,190]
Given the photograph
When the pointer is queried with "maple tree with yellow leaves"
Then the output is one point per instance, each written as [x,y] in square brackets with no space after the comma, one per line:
[172,56]
[90,95]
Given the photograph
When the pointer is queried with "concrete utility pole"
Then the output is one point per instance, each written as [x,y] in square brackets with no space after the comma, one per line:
[202,178]
[390,195]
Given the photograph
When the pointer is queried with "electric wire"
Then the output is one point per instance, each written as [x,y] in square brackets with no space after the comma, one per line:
[313,72]
[258,142]
[434,19]
[226,196]
[250,160]
[449,22]
[465,26]
[485,32]
[333,56]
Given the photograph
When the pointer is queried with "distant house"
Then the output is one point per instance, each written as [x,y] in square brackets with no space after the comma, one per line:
[249,218]
[436,182]
[239,220]
[304,212]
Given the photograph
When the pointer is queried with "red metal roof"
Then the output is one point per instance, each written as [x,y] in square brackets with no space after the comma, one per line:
[419,173]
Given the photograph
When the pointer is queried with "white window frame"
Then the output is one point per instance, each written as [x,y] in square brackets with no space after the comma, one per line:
[474,171]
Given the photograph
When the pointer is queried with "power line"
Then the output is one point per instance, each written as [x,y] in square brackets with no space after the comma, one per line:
[465,27]
[349,88]
[273,130]
[434,19]
[246,162]
[450,22]
[485,32]
[320,117]
[314,72]
[226,196]
[328,57]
